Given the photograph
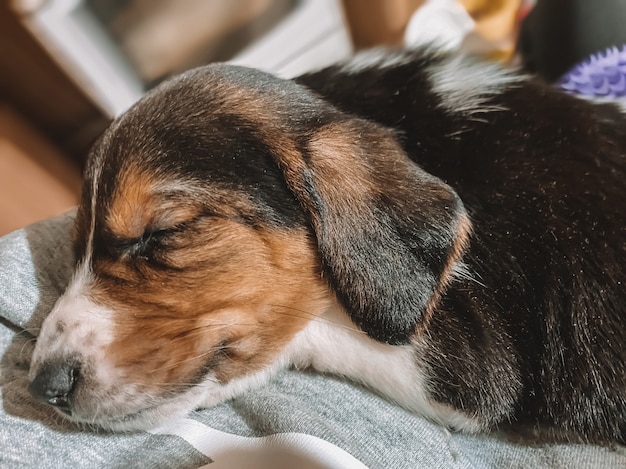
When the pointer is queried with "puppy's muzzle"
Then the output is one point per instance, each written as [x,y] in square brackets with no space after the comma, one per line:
[54,384]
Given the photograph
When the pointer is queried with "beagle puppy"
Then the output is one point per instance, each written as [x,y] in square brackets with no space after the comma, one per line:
[445,232]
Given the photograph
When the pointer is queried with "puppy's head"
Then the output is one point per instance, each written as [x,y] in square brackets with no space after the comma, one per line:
[220,215]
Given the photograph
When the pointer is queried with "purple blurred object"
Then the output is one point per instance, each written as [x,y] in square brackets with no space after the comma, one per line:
[601,75]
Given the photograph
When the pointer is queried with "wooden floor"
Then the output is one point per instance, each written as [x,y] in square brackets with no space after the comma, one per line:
[36,180]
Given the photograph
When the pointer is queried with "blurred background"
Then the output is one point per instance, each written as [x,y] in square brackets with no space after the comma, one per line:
[68,67]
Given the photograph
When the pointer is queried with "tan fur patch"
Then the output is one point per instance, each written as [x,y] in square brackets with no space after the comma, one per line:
[126,217]
[241,294]
[342,174]
[460,244]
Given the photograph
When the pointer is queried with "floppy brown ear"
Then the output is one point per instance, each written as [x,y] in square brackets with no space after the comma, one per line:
[388,233]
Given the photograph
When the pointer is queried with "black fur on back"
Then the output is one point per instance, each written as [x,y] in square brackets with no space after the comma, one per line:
[534,330]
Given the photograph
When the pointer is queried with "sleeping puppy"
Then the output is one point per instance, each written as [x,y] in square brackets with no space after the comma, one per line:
[444,232]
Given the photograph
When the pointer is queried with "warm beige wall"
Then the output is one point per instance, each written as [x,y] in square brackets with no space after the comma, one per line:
[374,22]
[36,181]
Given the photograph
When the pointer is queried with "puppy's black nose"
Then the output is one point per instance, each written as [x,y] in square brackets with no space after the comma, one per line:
[54,383]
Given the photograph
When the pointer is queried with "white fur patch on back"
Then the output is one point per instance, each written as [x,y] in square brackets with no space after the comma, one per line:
[378,58]
[464,85]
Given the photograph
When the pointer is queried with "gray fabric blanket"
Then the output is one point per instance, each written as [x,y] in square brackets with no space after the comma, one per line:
[299,420]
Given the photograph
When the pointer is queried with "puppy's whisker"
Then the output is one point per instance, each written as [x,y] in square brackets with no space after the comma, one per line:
[32,332]
[200,331]
[26,344]
[200,356]
[317,317]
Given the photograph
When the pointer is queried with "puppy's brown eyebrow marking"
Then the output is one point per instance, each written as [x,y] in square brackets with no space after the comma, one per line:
[141,203]
[128,216]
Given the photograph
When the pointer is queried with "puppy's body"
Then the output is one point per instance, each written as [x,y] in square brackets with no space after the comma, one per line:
[232,222]
[540,318]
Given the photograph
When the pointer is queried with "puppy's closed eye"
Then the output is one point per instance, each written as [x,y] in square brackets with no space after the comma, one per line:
[139,246]
[150,249]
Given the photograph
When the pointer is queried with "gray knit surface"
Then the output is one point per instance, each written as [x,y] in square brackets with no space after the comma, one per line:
[299,420]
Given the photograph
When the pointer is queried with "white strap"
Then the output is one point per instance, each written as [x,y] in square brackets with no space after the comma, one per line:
[279,450]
